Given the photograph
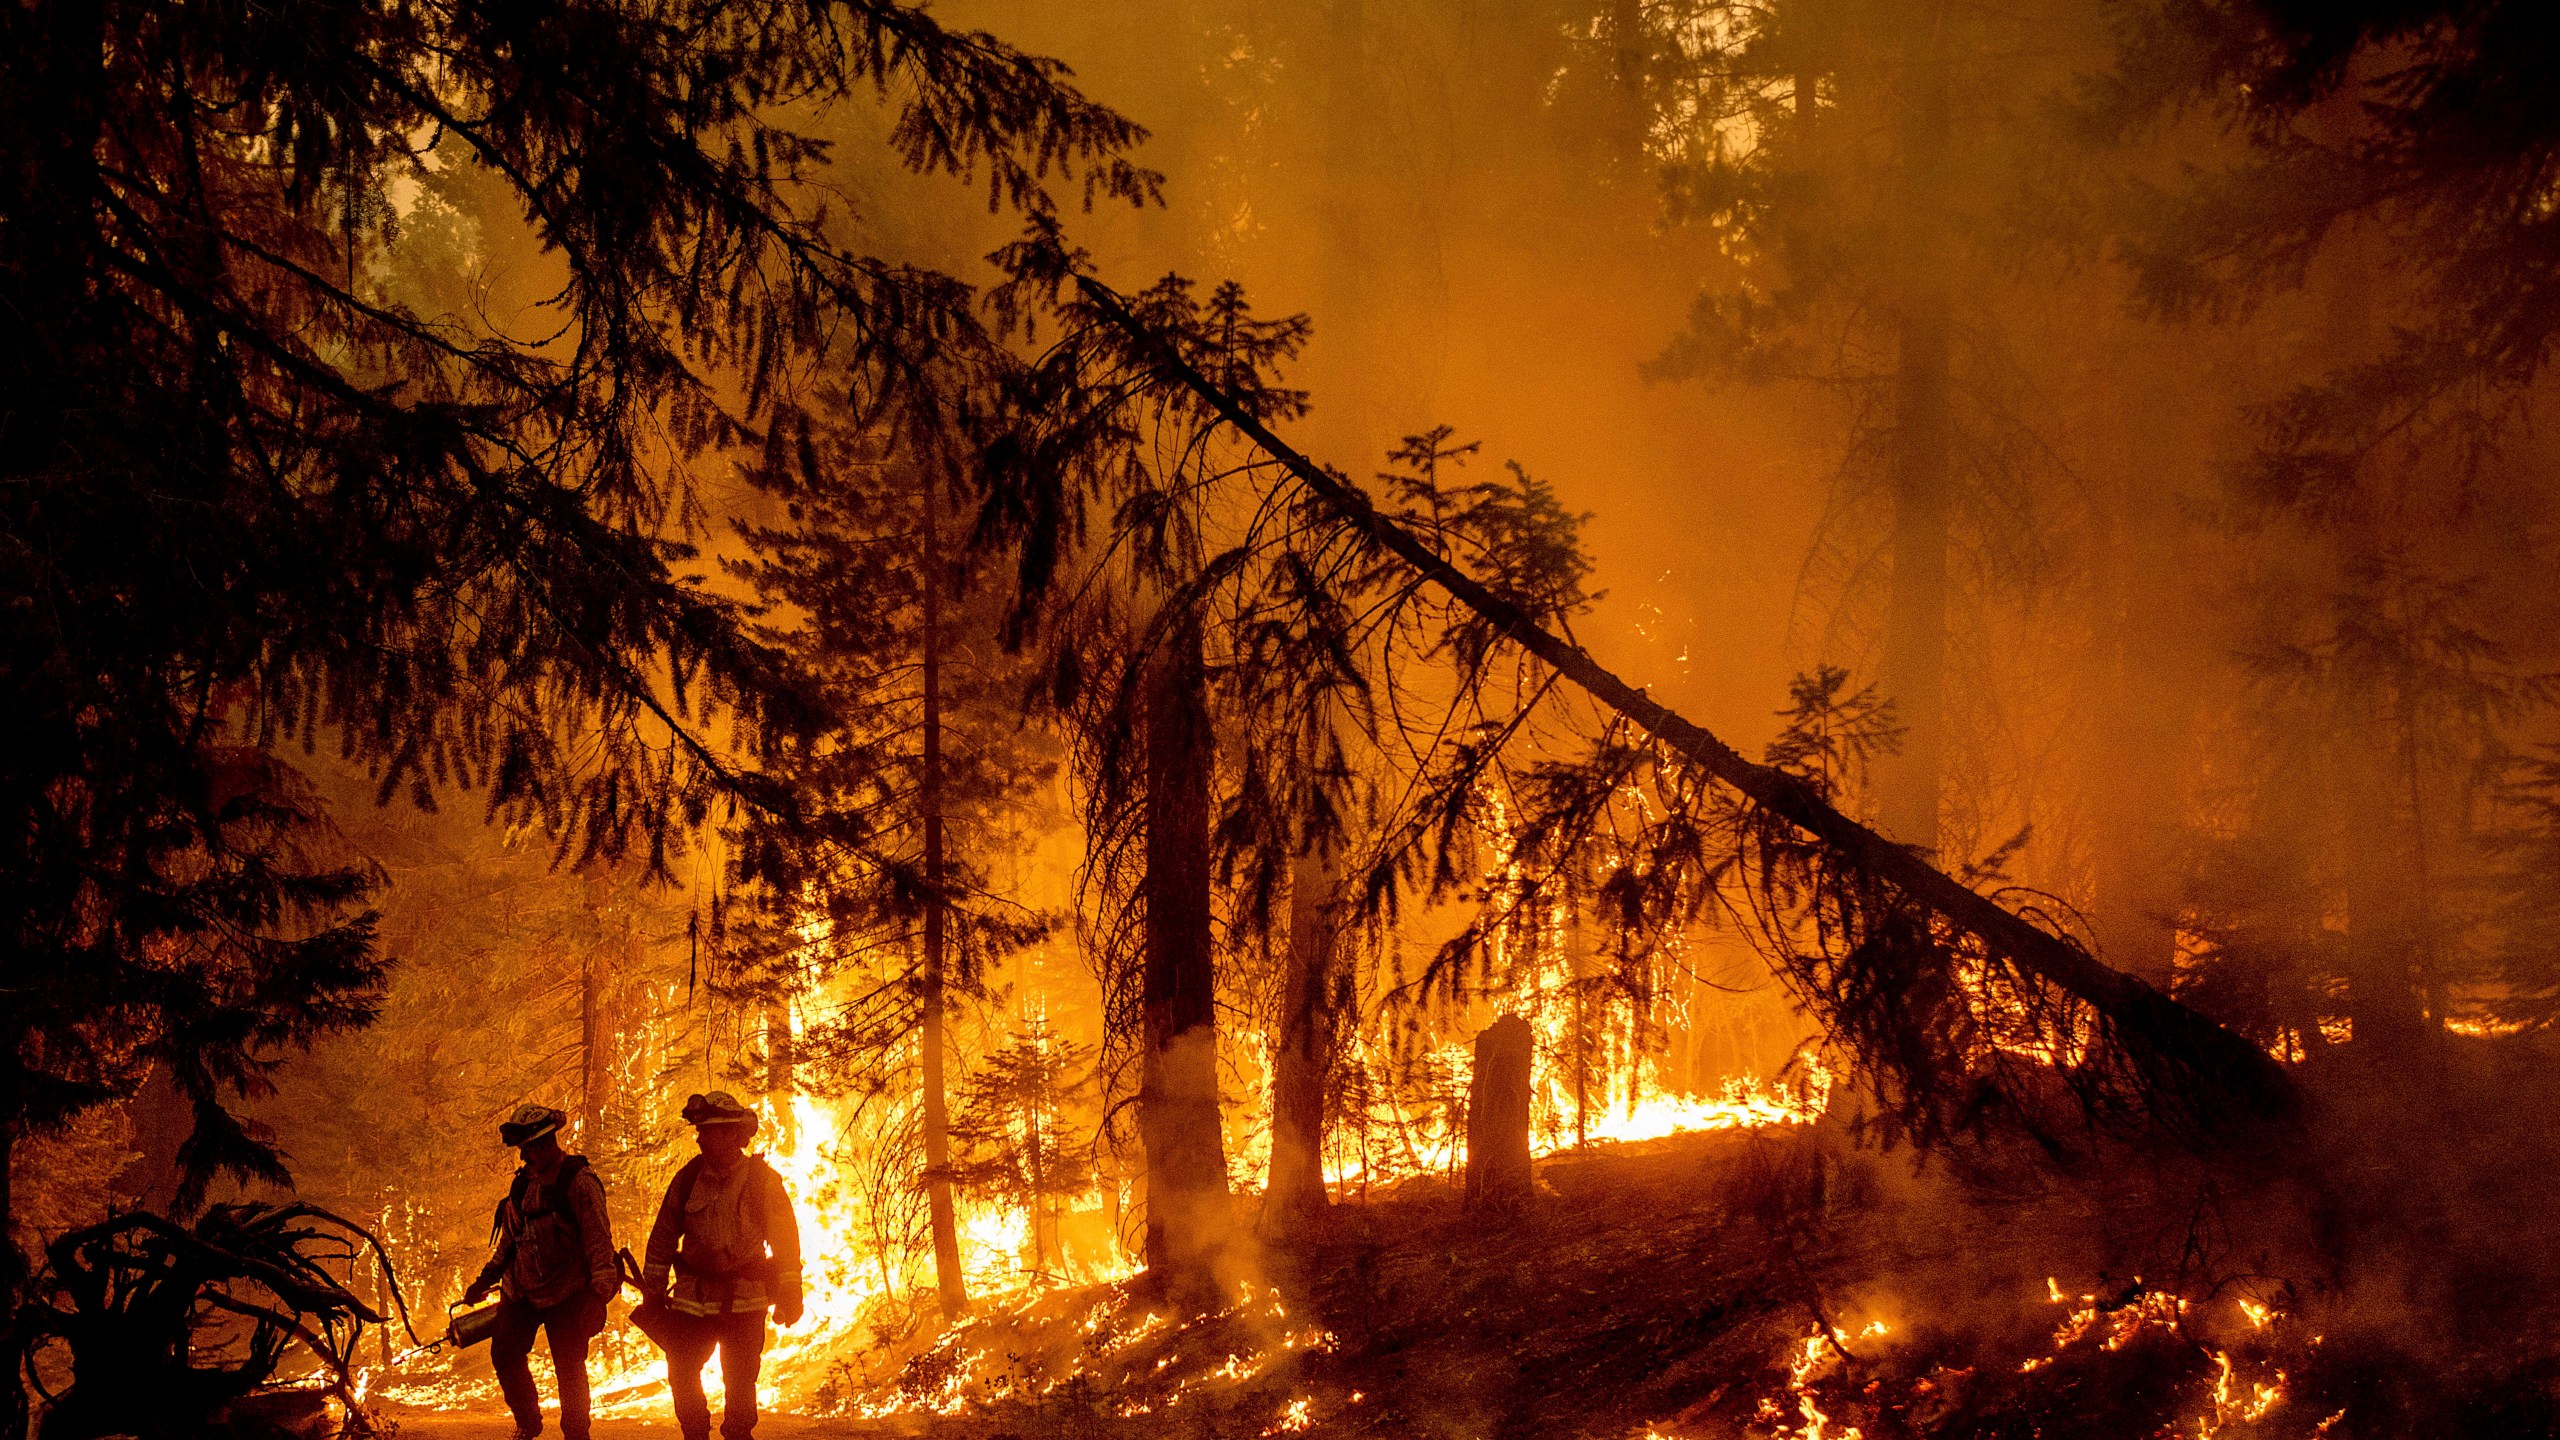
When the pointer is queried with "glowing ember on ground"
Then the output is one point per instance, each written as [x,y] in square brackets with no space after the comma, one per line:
[1836,1389]
[1814,1357]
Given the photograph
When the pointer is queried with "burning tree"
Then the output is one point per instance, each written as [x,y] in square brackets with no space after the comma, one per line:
[1016,1132]
[922,779]
[1219,655]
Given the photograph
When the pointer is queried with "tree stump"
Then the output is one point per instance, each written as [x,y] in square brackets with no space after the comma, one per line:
[1498,1118]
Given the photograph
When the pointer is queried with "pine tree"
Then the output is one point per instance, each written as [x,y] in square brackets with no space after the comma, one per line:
[255,494]
[2362,210]
[921,782]
[1014,1128]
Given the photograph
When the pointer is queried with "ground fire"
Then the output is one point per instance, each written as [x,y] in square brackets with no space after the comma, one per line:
[1620,719]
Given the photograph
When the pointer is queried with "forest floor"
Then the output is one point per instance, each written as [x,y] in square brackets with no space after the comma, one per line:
[1718,1287]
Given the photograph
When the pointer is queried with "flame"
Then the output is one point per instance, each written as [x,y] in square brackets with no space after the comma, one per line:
[1148,1360]
[1813,1358]
[1593,1078]
[2241,1388]
[2231,1398]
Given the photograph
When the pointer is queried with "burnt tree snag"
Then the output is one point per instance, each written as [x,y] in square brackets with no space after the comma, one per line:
[1187,1215]
[1498,1179]
[2176,1050]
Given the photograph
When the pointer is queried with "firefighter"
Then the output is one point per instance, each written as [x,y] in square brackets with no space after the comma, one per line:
[727,1232]
[554,1270]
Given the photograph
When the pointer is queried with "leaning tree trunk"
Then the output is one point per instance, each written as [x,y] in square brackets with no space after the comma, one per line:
[2172,1044]
[1187,1214]
[1915,637]
[1295,1192]
[948,1280]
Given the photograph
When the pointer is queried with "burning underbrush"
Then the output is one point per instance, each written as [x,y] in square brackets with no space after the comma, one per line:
[1079,1358]
[2389,1268]
[2389,1273]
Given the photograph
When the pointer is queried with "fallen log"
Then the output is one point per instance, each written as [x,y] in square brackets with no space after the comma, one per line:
[2168,1040]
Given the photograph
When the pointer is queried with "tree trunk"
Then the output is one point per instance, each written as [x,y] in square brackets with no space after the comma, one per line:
[1577,962]
[1187,1215]
[948,1281]
[1498,1176]
[162,1121]
[1915,639]
[1803,47]
[781,1070]
[1626,80]
[1300,1069]
[2171,1044]
[1344,354]
[595,1022]
[2385,930]
[382,1299]
[13,1260]
[2144,705]
[1035,1168]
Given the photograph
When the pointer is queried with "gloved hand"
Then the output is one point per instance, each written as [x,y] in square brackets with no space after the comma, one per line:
[787,1310]
[478,1292]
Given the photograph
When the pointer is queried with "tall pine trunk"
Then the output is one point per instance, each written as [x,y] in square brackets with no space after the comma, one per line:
[595,1046]
[1303,1048]
[1915,641]
[2143,716]
[948,1280]
[1344,362]
[2385,873]
[595,1019]
[1187,1215]
[1301,1067]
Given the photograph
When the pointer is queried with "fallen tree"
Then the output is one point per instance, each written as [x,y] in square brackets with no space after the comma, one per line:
[2174,1050]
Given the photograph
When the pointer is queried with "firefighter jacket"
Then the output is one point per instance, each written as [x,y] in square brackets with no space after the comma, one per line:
[555,1242]
[729,1237]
